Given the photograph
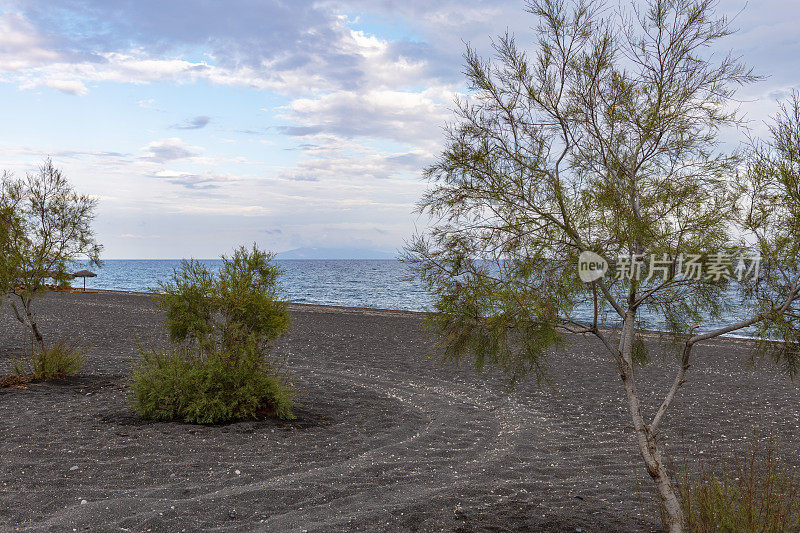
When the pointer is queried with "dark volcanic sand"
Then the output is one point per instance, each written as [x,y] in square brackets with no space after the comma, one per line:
[385,439]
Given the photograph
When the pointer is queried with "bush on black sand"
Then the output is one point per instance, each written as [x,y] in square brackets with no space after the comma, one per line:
[179,385]
[221,324]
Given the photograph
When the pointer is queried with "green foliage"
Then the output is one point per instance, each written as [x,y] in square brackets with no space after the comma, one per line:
[236,306]
[221,324]
[758,492]
[208,389]
[9,227]
[640,355]
[589,143]
[772,185]
[18,368]
[60,361]
[45,225]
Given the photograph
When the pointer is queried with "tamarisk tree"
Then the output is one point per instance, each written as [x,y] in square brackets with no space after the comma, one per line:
[772,190]
[601,145]
[46,226]
[9,225]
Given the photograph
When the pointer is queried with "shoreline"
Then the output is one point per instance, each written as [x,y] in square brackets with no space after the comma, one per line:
[322,308]
[380,311]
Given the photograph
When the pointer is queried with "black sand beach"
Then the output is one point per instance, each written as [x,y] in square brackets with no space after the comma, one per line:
[386,438]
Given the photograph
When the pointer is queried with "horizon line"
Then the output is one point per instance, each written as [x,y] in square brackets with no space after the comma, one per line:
[218,259]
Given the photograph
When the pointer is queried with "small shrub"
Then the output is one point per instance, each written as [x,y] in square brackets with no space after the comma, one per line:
[756,492]
[221,325]
[61,361]
[179,385]
[19,369]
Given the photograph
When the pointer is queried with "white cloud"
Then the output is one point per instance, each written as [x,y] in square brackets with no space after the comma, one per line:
[75,87]
[347,59]
[347,172]
[136,236]
[170,149]
[204,181]
[20,46]
[403,116]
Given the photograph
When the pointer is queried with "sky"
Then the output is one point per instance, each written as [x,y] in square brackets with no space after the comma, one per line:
[200,126]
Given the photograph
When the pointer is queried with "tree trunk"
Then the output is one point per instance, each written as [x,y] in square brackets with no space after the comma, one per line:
[26,303]
[37,336]
[648,446]
[666,492]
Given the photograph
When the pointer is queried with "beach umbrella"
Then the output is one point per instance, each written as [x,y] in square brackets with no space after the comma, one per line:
[84,274]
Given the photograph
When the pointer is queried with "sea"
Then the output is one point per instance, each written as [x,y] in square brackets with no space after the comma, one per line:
[380,284]
[353,283]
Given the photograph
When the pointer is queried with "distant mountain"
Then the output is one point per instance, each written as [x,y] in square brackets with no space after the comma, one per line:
[334,253]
